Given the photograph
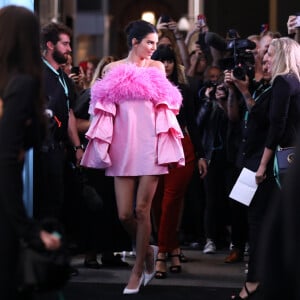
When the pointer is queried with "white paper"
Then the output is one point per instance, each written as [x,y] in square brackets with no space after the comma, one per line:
[244,188]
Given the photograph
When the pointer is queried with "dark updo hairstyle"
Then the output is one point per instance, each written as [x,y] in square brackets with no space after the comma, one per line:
[166,53]
[138,30]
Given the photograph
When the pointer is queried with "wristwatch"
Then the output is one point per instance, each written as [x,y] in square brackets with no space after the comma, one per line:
[78,147]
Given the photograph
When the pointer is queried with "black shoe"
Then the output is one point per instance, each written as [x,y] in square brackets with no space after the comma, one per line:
[249,294]
[114,261]
[91,263]
[74,272]
[176,268]
[161,274]
[183,258]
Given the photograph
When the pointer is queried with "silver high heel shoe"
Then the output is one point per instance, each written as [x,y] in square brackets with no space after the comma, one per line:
[127,291]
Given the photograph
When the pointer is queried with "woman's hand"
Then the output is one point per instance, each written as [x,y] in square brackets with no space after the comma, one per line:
[291,24]
[228,79]
[260,175]
[50,241]
[242,85]
[202,166]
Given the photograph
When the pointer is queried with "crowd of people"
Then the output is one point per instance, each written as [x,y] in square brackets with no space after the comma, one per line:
[125,149]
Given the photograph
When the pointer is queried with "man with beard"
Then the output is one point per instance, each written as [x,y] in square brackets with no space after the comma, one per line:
[59,96]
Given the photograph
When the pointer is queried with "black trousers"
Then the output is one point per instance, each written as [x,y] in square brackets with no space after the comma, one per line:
[48,183]
[257,212]
[8,259]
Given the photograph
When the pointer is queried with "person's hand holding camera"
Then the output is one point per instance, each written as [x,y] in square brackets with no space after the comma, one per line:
[291,24]
[221,93]
[209,91]
[196,56]
[163,22]
[242,85]
[228,80]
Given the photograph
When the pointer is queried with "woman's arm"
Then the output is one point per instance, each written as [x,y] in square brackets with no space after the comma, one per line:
[18,114]
[261,171]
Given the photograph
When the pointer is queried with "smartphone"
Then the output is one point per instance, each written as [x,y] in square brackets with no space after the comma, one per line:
[298,20]
[201,20]
[75,70]
[264,27]
[165,19]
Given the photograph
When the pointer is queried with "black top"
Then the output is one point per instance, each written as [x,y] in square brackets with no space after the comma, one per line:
[284,112]
[186,117]
[212,123]
[18,132]
[59,103]
[255,131]
[81,110]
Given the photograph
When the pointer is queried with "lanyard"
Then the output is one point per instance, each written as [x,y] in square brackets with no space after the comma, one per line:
[61,80]
[255,99]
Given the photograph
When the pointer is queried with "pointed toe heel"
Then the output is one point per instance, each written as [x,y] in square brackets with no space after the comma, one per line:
[149,276]
[127,291]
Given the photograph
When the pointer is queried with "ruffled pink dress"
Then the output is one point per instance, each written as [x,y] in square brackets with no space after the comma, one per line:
[134,130]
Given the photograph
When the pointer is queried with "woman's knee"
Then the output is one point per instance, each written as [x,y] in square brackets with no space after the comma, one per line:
[142,213]
[125,217]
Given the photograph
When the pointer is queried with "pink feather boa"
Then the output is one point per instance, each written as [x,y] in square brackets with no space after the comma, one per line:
[129,82]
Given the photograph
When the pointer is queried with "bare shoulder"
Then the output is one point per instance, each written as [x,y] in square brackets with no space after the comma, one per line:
[157,64]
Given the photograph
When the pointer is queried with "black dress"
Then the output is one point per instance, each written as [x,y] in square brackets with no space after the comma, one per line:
[18,132]
[280,239]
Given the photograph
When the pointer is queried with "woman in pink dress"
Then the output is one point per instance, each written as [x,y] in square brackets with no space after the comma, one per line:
[135,136]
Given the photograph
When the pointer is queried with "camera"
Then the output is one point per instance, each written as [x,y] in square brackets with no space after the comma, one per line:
[241,59]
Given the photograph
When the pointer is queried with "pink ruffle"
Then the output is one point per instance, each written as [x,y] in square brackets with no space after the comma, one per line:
[169,137]
[99,135]
[96,155]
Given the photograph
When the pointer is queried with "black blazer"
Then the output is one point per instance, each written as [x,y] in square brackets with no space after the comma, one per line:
[18,132]
[284,111]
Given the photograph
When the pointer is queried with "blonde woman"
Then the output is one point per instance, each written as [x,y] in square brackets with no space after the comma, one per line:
[283,63]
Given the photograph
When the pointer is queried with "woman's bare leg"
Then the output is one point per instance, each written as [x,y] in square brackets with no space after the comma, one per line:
[146,190]
[125,188]
[139,226]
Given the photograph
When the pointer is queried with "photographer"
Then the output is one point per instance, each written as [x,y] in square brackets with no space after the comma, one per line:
[255,128]
[168,30]
[212,123]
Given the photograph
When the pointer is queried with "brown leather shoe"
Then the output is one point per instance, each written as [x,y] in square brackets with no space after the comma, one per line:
[234,256]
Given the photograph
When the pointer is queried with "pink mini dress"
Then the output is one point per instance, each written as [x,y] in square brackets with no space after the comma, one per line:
[134,129]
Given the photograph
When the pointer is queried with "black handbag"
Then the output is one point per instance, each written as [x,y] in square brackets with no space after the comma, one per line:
[284,157]
[41,269]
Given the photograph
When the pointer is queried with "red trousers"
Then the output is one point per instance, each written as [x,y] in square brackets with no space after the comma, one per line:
[169,199]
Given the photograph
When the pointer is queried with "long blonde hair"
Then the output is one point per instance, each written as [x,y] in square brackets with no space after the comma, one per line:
[99,69]
[286,57]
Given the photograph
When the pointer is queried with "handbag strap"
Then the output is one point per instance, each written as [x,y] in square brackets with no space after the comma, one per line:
[276,168]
